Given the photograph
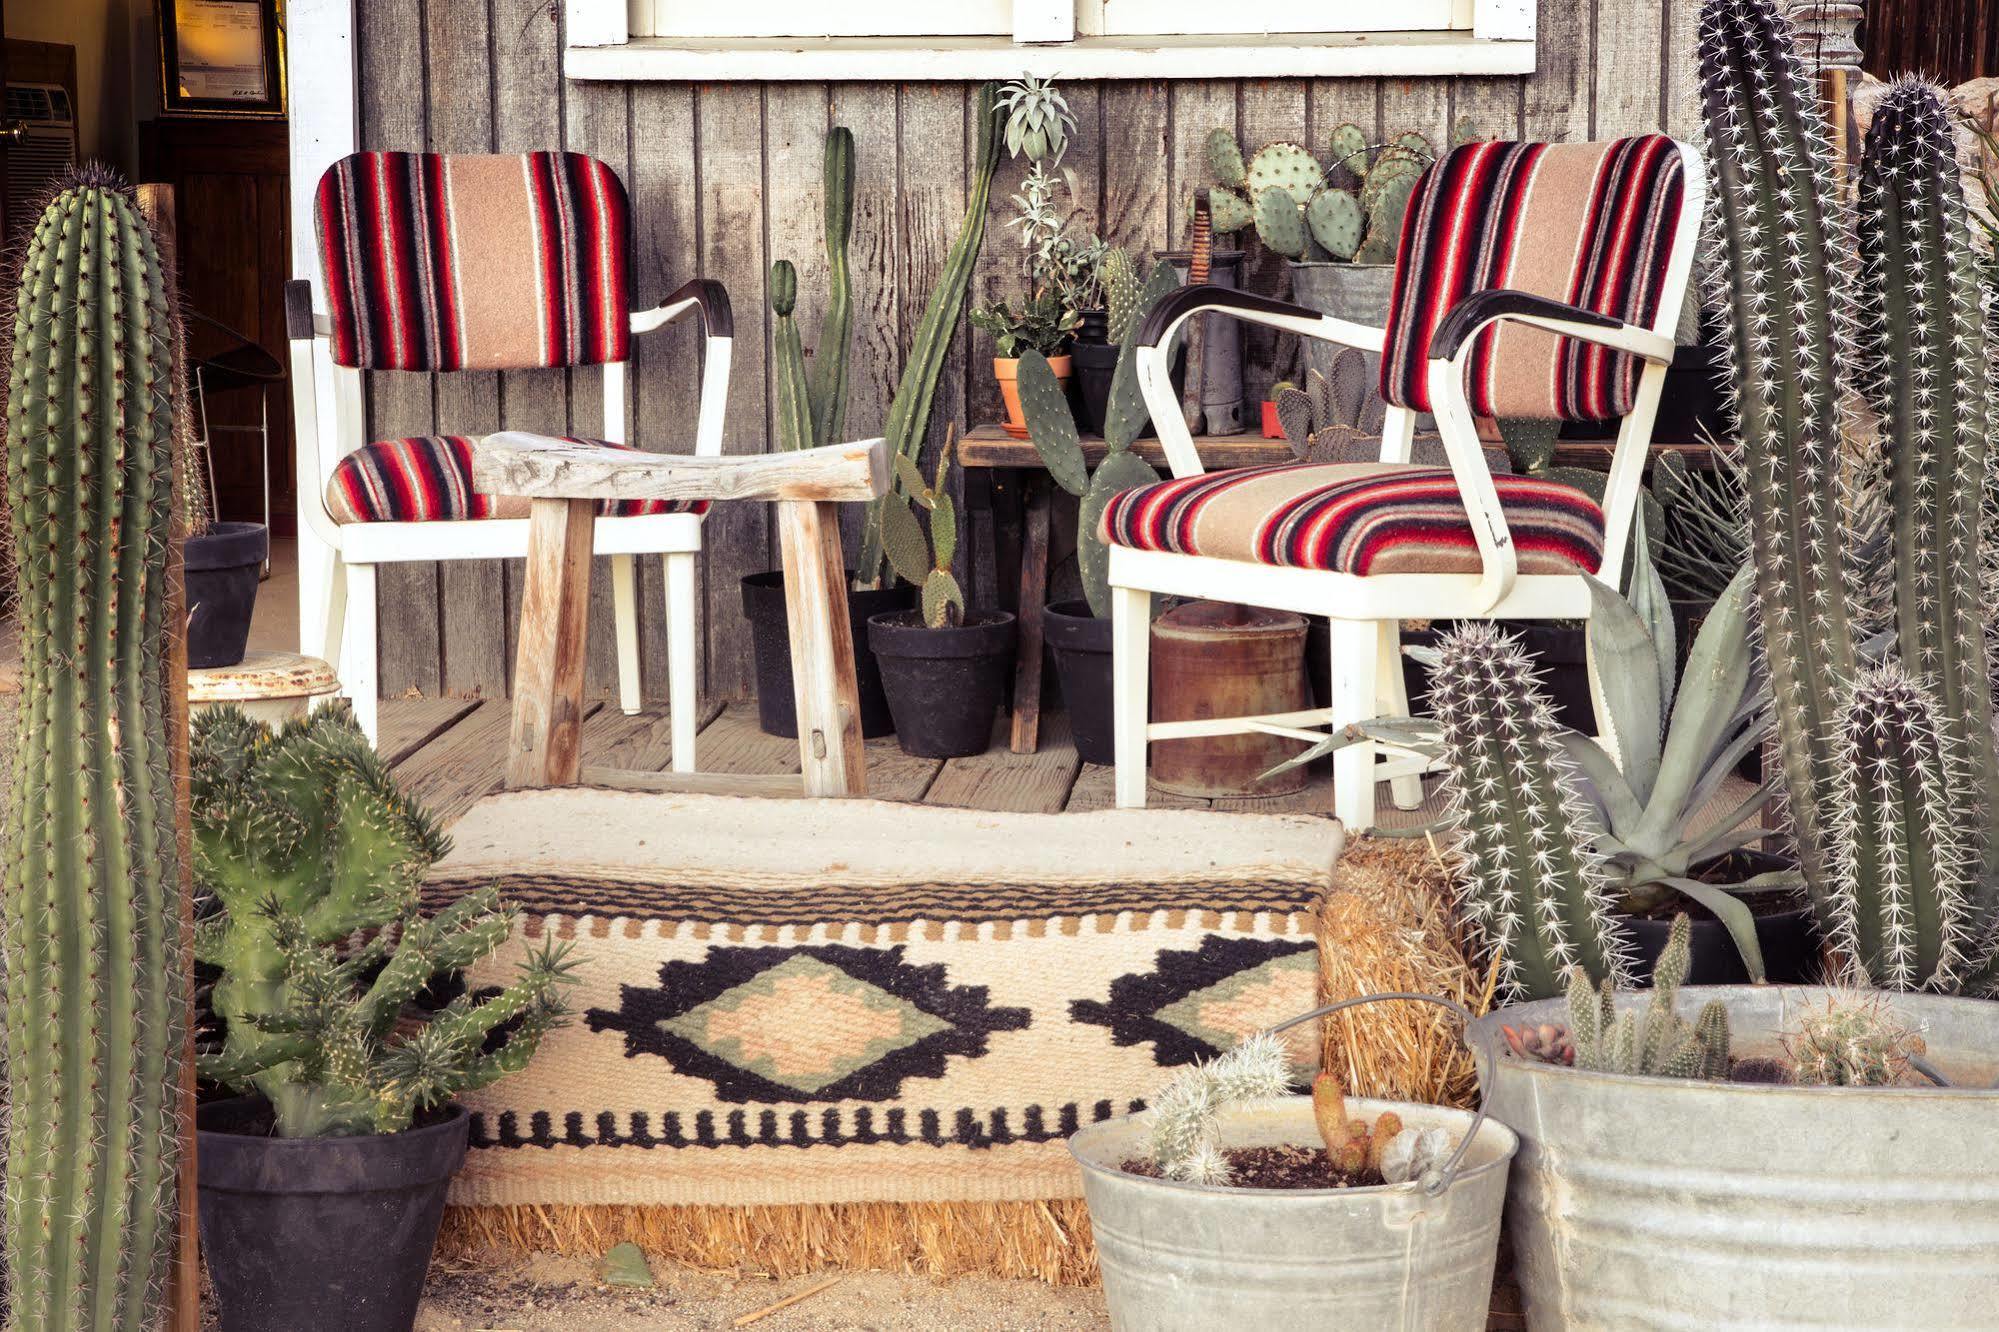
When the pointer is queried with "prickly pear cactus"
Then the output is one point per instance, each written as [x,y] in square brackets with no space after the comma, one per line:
[1336,222]
[95,966]
[1289,167]
[1279,223]
[1121,290]
[1349,152]
[1225,157]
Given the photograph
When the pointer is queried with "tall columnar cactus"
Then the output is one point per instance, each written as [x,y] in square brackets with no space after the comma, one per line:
[1928,375]
[1902,905]
[1657,1042]
[94,963]
[909,410]
[1530,878]
[1782,274]
[812,410]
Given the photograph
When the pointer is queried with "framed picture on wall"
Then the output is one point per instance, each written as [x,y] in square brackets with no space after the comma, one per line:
[222,57]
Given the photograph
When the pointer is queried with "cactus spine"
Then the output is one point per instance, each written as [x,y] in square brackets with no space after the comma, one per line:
[1658,1042]
[94,1017]
[1782,277]
[1927,375]
[1530,879]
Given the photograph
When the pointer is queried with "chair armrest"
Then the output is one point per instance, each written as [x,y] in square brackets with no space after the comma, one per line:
[703,295]
[1470,316]
[1176,307]
[515,462]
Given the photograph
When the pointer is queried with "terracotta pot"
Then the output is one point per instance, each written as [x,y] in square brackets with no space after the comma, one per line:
[1271,428]
[1007,371]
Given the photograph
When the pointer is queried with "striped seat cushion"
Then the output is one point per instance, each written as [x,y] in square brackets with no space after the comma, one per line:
[1354,518]
[474,261]
[429,479]
[1592,224]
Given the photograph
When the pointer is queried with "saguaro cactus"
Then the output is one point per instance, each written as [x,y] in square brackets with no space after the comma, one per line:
[1783,277]
[94,1020]
[1928,375]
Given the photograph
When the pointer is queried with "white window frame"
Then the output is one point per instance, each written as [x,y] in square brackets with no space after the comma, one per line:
[1080,39]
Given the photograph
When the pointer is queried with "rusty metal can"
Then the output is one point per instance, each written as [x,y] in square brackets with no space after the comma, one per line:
[1217,659]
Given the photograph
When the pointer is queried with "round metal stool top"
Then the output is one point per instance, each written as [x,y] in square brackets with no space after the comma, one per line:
[262,675]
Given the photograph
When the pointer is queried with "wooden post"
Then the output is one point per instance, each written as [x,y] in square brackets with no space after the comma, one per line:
[1026,737]
[546,748]
[830,751]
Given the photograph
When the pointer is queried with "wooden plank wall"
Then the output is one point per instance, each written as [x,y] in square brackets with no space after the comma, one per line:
[1952,41]
[726,177]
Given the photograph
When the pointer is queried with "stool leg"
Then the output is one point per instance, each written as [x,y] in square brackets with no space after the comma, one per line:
[824,691]
[1131,682]
[546,747]
[1355,652]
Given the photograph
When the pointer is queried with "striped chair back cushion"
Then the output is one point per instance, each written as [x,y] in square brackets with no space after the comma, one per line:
[1592,224]
[474,262]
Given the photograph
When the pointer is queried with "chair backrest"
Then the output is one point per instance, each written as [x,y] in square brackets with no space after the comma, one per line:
[474,262]
[1592,224]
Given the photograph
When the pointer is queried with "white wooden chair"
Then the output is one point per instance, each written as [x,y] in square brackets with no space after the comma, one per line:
[438,263]
[1533,281]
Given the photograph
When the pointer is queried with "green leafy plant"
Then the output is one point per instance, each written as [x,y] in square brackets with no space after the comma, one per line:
[94,964]
[1042,324]
[1038,119]
[812,410]
[926,560]
[305,845]
[1656,1041]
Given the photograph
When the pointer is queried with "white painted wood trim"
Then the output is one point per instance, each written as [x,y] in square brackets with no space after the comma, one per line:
[1503,20]
[920,59]
[604,22]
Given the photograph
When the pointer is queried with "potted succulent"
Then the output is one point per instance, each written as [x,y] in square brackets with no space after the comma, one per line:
[1041,325]
[1231,1201]
[944,668]
[323,1183]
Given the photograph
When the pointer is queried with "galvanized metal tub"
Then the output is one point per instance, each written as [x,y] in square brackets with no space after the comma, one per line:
[1661,1203]
[1183,1256]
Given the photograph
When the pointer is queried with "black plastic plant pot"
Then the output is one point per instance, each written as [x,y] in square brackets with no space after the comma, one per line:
[310,1233]
[770,640]
[1093,327]
[1095,364]
[223,566]
[1789,939]
[943,685]
[1081,644]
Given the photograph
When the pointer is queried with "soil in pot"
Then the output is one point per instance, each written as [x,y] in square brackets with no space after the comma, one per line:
[320,1232]
[770,637]
[1081,644]
[1786,931]
[943,685]
[1007,372]
[223,567]
[1283,1167]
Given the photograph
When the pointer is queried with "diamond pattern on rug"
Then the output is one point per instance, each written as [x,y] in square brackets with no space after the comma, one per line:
[1196,1003]
[823,1023]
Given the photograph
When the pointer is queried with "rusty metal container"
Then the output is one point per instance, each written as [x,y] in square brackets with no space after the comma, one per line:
[1217,659]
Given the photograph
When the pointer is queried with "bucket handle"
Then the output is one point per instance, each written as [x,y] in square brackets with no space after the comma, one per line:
[1434,1181]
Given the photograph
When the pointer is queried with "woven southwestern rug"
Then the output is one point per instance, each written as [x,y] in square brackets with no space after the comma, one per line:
[786,1001]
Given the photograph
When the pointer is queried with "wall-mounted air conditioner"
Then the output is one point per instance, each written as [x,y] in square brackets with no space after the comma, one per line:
[46,148]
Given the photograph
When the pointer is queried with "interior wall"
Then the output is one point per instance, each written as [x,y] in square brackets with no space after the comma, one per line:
[116,76]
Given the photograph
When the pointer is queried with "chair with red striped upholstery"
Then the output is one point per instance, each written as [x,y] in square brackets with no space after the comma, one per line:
[438,264]
[1533,281]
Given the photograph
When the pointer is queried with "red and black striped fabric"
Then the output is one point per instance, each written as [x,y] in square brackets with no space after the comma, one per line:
[474,262]
[1354,518]
[428,478]
[1592,224]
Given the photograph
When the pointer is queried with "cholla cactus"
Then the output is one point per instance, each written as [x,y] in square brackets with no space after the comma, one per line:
[1530,879]
[1855,1042]
[1779,261]
[1657,1042]
[304,841]
[1928,375]
[1186,1137]
[1901,888]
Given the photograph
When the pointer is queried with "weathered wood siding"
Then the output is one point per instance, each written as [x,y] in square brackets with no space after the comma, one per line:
[726,177]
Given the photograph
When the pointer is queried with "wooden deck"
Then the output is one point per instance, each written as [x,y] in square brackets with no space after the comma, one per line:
[450,752]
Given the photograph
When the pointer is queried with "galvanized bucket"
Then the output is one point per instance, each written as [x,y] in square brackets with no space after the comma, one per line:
[1663,1203]
[1415,1256]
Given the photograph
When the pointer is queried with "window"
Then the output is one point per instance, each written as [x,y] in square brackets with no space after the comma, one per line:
[910,40]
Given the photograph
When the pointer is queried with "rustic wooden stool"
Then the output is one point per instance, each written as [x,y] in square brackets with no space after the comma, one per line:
[272,687]
[564,480]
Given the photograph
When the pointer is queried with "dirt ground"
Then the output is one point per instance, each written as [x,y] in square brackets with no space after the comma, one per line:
[547,1293]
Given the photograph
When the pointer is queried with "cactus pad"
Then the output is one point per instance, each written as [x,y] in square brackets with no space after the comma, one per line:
[1280,224]
[1349,148]
[1119,472]
[1336,222]
[1225,157]
[1289,167]
[1228,211]
[1051,427]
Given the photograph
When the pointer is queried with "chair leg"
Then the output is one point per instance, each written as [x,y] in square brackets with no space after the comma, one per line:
[1355,656]
[1391,699]
[1131,680]
[333,614]
[681,647]
[625,618]
[359,678]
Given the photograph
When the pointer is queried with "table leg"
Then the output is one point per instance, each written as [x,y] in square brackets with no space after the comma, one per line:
[824,691]
[546,747]
[1033,595]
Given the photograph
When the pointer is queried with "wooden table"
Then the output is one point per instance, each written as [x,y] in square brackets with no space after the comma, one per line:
[987,450]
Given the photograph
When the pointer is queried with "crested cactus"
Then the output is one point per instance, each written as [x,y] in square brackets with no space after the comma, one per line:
[304,841]
[1927,374]
[1782,276]
[812,410]
[915,393]
[1902,874]
[1656,1042]
[1352,210]
[1531,881]
[95,1017]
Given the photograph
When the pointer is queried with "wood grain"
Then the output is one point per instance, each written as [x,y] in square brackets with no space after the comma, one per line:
[999,779]
[413,723]
[516,463]
[825,695]
[546,744]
